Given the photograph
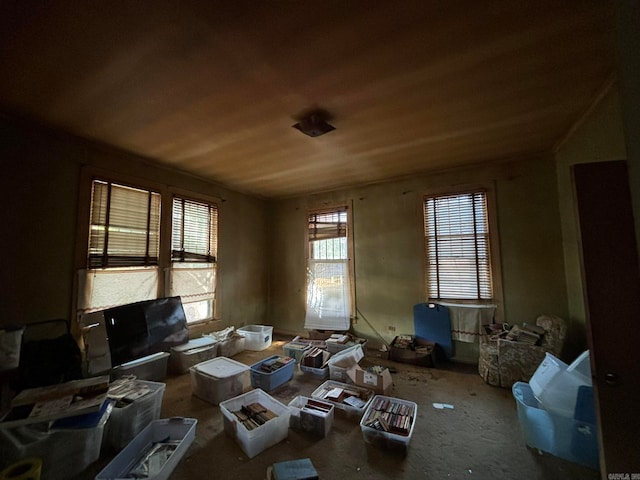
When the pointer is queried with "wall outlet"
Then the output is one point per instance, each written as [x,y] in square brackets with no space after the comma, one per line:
[392,328]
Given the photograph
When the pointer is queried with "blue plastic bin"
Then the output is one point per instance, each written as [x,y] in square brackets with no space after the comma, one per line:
[572,439]
[267,381]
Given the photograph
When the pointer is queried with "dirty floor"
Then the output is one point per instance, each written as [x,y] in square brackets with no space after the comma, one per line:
[479,439]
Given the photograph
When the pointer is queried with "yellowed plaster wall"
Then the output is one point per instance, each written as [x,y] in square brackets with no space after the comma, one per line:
[598,138]
[389,246]
[40,185]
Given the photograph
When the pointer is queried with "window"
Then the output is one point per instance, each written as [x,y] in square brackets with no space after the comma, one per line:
[124,245]
[458,257]
[124,257]
[194,243]
[329,296]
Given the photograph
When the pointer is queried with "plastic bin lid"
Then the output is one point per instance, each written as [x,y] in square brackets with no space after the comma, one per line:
[195,343]
[221,367]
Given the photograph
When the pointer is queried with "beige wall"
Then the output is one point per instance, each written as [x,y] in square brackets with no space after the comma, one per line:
[598,138]
[389,246]
[40,185]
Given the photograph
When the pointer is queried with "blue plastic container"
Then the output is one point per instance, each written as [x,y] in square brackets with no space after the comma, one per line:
[267,381]
[573,439]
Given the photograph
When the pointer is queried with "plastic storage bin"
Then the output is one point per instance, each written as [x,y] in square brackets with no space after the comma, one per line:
[64,452]
[268,381]
[395,410]
[219,379]
[195,351]
[355,409]
[555,387]
[296,350]
[129,420]
[152,367]
[312,416]
[319,373]
[259,439]
[573,439]
[258,337]
[182,430]
[342,361]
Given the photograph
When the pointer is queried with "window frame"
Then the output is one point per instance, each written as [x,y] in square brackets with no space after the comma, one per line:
[338,206]
[167,192]
[211,201]
[494,244]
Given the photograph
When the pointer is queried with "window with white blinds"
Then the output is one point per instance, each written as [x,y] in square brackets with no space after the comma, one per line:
[328,271]
[458,256]
[194,245]
[124,226]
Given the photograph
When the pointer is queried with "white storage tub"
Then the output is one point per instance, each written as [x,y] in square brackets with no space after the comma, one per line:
[257,337]
[130,419]
[389,440]
[195,351]
[180,430]
[219,379]
[352,410]
[266,435]
[307,418]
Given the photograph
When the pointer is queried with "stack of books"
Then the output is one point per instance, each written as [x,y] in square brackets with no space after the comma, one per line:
[344,395]
[254,415]
[390,416]
[273,365]
[314,358]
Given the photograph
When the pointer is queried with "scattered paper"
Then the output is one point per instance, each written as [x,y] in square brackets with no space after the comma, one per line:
[441,406]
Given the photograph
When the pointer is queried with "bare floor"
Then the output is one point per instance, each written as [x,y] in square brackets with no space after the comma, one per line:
[479,438]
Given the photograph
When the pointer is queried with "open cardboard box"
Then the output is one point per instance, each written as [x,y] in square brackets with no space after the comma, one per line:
[380,383]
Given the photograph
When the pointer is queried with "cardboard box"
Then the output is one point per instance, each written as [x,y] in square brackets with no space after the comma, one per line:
[380,383]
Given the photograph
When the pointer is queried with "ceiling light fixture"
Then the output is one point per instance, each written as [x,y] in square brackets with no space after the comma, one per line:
[314,123]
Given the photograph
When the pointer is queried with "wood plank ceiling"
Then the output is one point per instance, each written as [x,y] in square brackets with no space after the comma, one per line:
[213,88]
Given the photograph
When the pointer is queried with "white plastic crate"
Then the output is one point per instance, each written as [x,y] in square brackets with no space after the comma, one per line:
[308,419]
[397,408]
[181,430]
[65,452]
[266,435]
[219,379]
[352,410]
[195,351]
[129,420]
[257,337]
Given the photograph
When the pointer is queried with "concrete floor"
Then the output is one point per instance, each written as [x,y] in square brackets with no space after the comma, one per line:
[479,439]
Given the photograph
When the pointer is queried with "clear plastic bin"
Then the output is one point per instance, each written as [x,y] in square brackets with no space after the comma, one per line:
[555,387]
[178,429]
[258,337]
[219,379]
[306,418]
[295,350]
[129,420]
[354,411]
[195,351]
[65,452]
[389,441]
[252,442]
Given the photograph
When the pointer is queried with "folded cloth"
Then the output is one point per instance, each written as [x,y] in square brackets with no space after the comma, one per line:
[467,320]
